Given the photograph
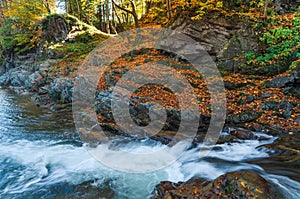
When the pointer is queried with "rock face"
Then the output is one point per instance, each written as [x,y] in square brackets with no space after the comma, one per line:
[223,39]
[244,184]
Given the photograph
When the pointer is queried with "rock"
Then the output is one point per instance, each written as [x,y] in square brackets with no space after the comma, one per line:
[241,184]
[270,105]
[2,69]
[88,189]
[55,54]
[61,90]
[243,134]
[266,95]
[148,60]
[55,28]
[243,117]
[250,98]
[232,86]
[223,38]
[18,78]
[284,108]
[296,76]
[4,79]
[280,82]
[139,113]
[295,91]
[287,111]
[286,148]
[236,135]
[34,82]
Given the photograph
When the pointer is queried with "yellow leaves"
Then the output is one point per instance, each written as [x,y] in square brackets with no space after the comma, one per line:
[219,4]
[243,184]
[258,190]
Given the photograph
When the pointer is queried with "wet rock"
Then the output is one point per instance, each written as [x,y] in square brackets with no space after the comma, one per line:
[286,148]
[88,189]
[41,100]
[18,78]
[242,184]
[61,90]
[34,82]
[242,134]
[44,90]
[280,82]
[2,69]
[236,135]
[4,79]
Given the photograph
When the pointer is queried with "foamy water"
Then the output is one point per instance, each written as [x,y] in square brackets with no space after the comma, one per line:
[35,158]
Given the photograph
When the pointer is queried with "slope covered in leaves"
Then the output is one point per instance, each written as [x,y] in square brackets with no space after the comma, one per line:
[245,93]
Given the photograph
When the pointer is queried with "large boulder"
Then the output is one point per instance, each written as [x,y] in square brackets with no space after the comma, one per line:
[280,82]
[243,184]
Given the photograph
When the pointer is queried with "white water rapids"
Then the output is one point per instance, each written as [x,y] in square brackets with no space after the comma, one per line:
[36,155]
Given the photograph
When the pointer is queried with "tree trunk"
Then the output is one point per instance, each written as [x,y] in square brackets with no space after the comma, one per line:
[78,9]
[100,17]
[119,20]
[132,12]
[47,6]
[169,8]
[107,16]
[266,9]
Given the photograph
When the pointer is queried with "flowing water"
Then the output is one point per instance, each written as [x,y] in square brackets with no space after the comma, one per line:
[42,157]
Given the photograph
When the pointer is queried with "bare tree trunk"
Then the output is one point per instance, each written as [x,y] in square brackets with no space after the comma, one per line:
[78,9]
[132,12]
[46,3]
[119,20]
[107,16]
[266,9]
[169,8]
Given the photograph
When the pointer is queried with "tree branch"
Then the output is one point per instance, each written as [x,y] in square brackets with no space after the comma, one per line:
[121,8]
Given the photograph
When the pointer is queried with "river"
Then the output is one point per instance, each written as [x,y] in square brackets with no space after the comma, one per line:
[41,156]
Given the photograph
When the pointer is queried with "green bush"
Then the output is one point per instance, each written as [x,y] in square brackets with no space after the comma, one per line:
[279,47]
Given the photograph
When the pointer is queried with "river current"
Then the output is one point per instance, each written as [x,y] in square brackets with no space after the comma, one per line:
[41,156]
